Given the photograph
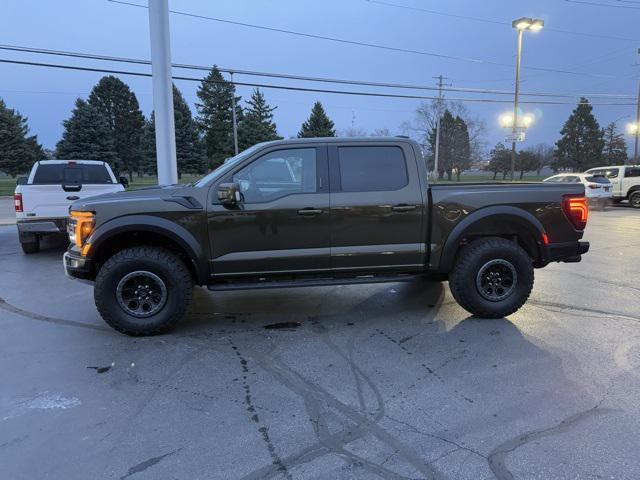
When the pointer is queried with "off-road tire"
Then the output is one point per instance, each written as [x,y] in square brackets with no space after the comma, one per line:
[158,261]
[31,247]
[462,279]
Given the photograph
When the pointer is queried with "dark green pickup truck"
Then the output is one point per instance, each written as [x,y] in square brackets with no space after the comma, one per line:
[313,212]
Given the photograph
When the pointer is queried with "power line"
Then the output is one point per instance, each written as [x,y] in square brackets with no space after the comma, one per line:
[366,44]
[92,56]
[497,22]
[291,88]
[599,4]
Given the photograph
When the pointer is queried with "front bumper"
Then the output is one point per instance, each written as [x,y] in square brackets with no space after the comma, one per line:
[77,267]
[569,252]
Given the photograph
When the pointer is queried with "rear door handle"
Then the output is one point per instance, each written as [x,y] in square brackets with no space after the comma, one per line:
[403,208]
[309,212]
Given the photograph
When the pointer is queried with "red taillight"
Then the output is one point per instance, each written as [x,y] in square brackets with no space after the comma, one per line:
[576,209]
[545,238]
[17,202]
[71,162]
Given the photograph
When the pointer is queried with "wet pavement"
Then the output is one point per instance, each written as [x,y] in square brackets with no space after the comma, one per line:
[387,381]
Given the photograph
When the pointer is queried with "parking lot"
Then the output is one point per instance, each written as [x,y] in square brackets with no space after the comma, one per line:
[386,381]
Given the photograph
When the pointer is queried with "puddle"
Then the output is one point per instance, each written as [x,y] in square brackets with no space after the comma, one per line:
[282,326]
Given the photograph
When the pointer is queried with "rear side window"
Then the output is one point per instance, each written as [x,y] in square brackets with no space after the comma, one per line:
[372,169]
[632,172]
[607,172]
[597,179]
[64,173]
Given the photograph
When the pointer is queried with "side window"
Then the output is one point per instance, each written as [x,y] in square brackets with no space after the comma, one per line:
[278,174]
[555,179]
[372,169]
[611,173]
[632,172]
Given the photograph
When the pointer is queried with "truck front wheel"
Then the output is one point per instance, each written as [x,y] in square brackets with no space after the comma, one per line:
[634,199]
[492,277]
[143,291]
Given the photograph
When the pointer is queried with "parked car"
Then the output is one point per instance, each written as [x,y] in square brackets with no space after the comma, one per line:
[42,199]
[598,188]
[309,212]
[625,180]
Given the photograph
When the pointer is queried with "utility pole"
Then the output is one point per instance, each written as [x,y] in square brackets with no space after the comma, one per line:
[163,92]
[235,120]
[436,157]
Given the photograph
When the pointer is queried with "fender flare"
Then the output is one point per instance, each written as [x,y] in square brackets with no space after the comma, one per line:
[515,217]
[157,225]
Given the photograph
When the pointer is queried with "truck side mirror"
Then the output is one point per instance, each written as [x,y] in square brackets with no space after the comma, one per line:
[124,181]
[21,180]
[229,194]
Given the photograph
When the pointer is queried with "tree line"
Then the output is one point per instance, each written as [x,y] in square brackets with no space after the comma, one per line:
[110,126]
[583,144]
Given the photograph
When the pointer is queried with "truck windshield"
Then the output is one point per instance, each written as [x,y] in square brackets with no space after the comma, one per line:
[64,173]
[228,164]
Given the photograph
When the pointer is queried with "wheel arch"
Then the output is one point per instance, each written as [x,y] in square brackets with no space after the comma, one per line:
[135,230]
[498,221]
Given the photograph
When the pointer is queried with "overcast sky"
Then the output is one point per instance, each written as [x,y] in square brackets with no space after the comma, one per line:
[605,58]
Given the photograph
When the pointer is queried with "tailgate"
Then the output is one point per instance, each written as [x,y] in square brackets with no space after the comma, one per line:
[52,201]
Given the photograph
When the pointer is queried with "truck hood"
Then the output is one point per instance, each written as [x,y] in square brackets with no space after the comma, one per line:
[145,193]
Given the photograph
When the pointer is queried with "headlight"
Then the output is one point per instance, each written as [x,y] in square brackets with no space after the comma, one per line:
[80,226]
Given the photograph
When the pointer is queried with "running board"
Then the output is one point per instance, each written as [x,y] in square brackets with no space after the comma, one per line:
[310,282]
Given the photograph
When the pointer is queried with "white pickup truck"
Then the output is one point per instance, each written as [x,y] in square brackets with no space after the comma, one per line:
[625,181]
[42,199]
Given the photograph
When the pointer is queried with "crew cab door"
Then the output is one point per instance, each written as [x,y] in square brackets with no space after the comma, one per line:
[281,222]
[377,207]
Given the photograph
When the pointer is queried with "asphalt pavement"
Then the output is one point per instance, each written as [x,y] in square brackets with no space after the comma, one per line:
[7,214]
[390,381]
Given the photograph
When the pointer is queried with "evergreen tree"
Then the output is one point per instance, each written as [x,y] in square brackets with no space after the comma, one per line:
[318,124]
[86,136]
[500,161]
[461,152]
[615,146]
[118,104]
[257,123]
[189,148]
[149,163]
[454,151]
[18,150]
[582,143]
[215,116]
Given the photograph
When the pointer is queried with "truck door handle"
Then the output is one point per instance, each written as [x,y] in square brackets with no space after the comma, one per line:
[309,212]
[403,208]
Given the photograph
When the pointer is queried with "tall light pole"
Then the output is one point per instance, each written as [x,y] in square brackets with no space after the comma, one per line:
[520,24]
[163,92]
[635,148]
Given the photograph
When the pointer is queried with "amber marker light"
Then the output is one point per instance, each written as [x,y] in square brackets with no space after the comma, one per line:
[81,225]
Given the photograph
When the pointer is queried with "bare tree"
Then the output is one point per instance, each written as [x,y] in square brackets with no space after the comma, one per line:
[381,132]
[425,119]
[352,132]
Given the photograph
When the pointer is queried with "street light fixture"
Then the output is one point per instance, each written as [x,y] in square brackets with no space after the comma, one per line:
[520,24]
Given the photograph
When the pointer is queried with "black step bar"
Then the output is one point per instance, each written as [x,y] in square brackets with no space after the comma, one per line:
[309,282]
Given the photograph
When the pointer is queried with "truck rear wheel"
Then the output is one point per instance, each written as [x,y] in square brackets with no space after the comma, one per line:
[143,291]
[32,246]
[492,278]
